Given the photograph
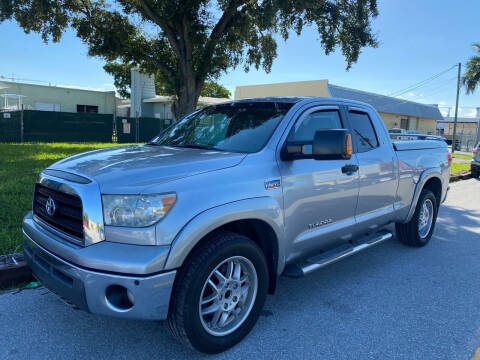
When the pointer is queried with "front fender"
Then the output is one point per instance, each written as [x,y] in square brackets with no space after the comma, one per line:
[422,179]
[260,208]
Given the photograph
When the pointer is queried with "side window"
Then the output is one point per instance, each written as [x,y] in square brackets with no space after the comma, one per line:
[318,120]
[363,132]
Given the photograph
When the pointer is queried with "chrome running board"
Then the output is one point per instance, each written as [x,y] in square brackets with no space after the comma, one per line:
[334,255]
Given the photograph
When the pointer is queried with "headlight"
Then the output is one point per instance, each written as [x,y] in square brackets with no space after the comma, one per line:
[136,210]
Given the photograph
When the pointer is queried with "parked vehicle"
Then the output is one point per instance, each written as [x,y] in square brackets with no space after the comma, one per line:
[395,132]
[475,164]
[196,226]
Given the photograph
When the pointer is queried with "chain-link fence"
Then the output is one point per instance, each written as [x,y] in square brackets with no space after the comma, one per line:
[466,142]
[10,126]
[129,130]
[54,126]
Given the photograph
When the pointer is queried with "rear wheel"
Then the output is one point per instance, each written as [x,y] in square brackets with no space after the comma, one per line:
[219,293]
[419,230]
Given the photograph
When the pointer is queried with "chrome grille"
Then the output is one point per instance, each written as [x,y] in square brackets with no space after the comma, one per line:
[67,216]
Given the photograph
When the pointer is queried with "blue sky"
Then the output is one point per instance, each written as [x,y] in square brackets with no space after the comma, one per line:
[418,39]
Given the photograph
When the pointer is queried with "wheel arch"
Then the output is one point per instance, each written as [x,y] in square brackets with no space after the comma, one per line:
[430,179]
[259,219]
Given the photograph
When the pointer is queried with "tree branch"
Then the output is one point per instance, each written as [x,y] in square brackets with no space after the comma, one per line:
[172,38]
[219,29]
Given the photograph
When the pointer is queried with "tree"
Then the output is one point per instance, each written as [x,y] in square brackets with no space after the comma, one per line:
[472,75]
[212,89]
[190,42]
[122,79]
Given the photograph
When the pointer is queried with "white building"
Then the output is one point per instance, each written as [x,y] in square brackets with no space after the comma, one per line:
[145,103]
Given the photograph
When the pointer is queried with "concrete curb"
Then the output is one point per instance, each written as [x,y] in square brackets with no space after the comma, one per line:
[13,270]
[461,175]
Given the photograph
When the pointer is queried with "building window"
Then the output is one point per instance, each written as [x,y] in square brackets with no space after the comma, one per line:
[46,107]
[404,124]
[87,109]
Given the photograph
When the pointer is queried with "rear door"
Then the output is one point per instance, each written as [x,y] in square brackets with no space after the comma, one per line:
[377,176]
[319,199]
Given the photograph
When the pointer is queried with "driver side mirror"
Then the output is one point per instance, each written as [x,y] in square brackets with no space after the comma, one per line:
[328,144]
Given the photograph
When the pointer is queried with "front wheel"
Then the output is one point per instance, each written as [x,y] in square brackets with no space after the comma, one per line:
[219,293]
[419,230]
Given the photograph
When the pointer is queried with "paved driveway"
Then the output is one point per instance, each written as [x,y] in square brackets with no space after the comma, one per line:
[390,301]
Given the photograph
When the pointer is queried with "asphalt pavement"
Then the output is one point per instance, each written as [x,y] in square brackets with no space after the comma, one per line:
[388,302]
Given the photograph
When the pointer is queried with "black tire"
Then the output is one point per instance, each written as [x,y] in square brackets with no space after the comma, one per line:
[184,320]
[408,233]
[475,172]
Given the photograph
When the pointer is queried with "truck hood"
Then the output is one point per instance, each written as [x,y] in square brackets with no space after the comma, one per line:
[131,169]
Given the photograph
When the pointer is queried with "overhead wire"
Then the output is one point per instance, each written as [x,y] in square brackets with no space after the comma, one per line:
[421,83]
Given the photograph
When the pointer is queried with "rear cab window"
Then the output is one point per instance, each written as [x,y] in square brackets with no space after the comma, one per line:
[363,132]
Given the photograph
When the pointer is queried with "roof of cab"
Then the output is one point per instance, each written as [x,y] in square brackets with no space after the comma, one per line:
[296,99]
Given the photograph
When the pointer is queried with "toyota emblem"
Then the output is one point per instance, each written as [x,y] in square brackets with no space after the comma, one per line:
[50,206]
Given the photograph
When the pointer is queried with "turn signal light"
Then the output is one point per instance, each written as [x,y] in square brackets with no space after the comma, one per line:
[348,145]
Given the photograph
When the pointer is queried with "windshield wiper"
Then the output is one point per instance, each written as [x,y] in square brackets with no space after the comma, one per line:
[364,138]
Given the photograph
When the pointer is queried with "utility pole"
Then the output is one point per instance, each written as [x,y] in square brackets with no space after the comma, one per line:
[456,109]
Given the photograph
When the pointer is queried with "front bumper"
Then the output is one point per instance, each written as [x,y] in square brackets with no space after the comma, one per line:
[87,289]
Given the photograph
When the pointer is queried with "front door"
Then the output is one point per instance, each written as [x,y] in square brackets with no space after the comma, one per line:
[319,199]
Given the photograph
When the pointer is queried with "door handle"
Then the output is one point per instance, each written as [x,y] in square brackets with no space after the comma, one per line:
[349,168]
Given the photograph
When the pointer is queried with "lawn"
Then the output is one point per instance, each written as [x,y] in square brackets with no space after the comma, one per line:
[20,165]
[459,167]
[462,156]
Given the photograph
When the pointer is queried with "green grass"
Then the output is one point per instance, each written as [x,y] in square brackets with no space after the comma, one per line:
[462,156]
[20,165]
[459,167]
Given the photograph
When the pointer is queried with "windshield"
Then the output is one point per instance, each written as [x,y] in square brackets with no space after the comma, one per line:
[235,127]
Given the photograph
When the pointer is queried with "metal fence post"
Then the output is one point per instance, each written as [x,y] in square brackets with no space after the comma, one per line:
[114,127]
[21,124]
[137,130]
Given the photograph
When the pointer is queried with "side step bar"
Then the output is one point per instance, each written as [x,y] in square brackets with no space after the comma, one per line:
[334,255]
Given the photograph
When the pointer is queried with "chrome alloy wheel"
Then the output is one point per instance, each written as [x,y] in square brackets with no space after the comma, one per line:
[228,296]
[425,219]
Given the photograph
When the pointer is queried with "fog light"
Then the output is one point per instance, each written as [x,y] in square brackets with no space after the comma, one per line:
[119,298]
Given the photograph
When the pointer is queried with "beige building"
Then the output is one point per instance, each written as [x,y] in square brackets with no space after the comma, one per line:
[396,113]
[467,126]
[468,129]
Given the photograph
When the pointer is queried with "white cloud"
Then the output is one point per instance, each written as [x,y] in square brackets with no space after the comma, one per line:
[444,112]
[469,113]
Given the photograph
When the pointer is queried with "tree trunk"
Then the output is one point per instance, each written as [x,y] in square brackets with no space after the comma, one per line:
[187,98]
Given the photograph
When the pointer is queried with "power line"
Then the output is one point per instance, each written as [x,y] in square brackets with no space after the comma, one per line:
[421,83]
[13,78]
[395,103]
[433,91]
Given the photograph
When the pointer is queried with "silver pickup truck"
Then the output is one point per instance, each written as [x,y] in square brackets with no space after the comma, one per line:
[196,226]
